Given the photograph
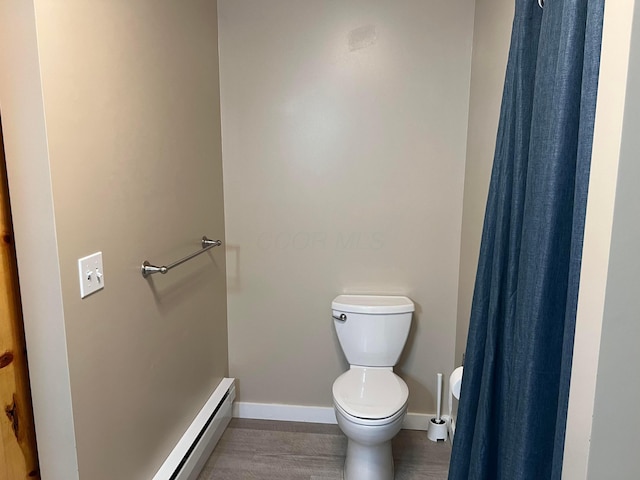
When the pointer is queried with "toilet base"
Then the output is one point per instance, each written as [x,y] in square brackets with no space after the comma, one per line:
[369,454]
[368,462]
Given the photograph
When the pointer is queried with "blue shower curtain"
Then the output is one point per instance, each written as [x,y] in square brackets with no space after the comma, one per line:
[513,405]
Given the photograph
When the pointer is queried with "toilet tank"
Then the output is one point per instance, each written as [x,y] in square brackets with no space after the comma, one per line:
[372,329]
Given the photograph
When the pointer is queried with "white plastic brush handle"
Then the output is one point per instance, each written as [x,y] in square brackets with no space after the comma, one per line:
[439,398]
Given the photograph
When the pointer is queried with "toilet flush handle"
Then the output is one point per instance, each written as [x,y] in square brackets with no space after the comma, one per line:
[341,318]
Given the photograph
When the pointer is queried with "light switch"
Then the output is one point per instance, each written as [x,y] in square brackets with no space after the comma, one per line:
[91,274]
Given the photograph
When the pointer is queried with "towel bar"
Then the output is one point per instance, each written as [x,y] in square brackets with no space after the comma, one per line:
[148,269]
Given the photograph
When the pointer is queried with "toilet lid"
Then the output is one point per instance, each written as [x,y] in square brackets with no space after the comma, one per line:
[370,392]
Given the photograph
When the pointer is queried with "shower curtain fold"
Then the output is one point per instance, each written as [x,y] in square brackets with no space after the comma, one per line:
[513,404]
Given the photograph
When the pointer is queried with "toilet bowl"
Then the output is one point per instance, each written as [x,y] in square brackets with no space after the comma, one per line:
[370,400]
[369,454]
[370,406]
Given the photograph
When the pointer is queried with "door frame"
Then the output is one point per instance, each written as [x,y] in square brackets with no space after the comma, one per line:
[18,451]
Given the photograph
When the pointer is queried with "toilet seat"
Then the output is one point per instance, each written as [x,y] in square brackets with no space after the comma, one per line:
[370,394]
[367,422]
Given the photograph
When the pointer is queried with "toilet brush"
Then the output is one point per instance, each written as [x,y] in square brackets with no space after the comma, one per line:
[437,427]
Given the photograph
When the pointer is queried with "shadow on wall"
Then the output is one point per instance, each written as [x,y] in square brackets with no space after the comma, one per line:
[168,294]
[416,386]
[233,268]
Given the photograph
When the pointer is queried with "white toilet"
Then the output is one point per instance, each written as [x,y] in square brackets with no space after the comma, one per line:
[370,400]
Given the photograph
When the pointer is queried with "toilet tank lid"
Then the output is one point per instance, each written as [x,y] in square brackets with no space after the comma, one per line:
[372,304]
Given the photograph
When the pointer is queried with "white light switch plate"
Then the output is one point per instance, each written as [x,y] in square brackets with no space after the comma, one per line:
[91,274]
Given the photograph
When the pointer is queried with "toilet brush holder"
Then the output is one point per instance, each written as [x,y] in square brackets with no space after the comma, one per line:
[437,430]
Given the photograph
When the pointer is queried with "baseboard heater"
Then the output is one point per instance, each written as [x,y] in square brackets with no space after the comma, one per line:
[194,448]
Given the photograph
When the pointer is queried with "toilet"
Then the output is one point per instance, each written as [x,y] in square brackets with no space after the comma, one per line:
[369,399]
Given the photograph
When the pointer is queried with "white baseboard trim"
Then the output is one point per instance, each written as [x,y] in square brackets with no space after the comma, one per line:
[310,414]
[285,413]
[192,451]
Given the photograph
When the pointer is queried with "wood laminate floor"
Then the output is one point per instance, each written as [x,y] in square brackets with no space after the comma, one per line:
[266,450]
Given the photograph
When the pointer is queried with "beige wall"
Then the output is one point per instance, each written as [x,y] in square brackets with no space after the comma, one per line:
[616,419]
[614,66]
[491,35]
[131,105]
[344,133]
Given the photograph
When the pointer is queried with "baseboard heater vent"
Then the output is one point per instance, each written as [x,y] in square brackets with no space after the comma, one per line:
[194,448]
